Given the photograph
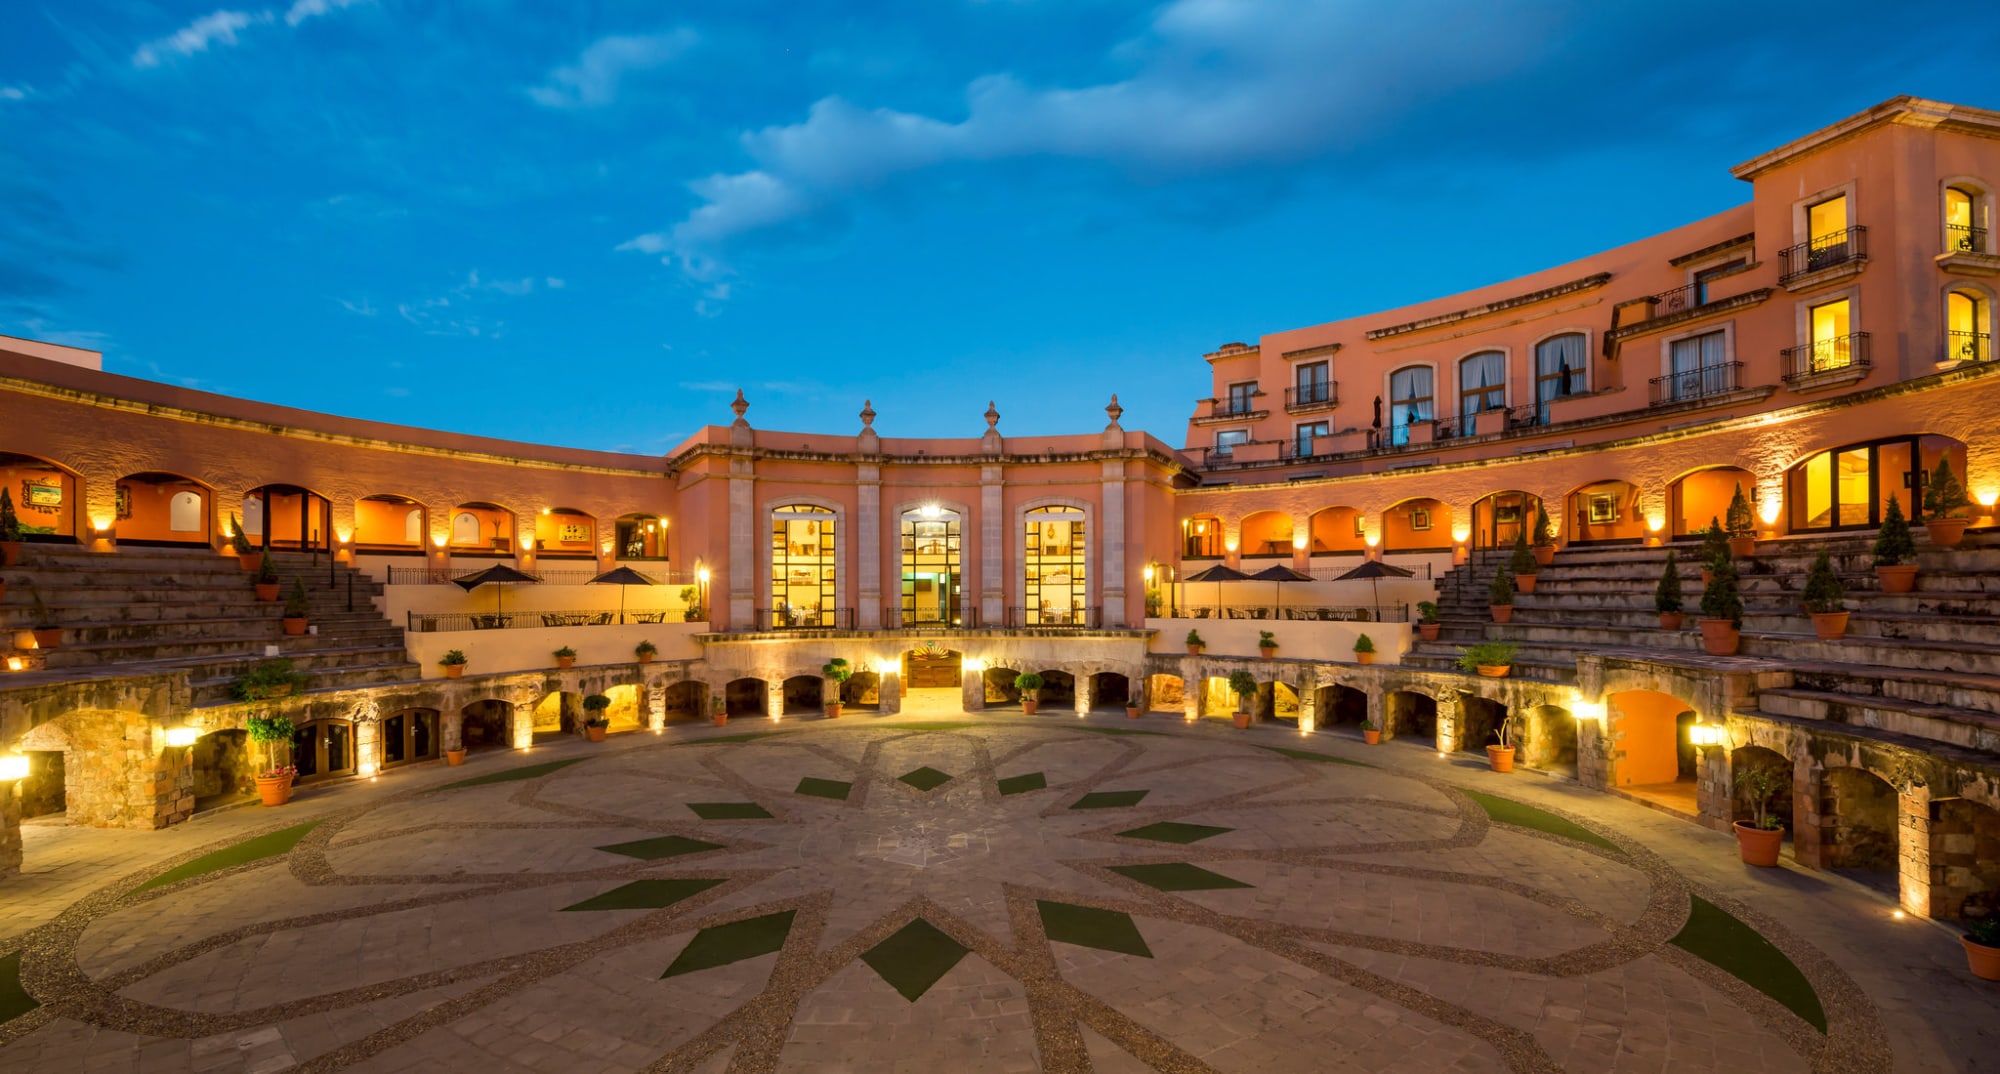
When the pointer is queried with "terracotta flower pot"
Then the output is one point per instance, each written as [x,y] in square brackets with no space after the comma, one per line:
[1364,658]
[1495,671]
[1267,651]
[274,791]
[1758,846]
[1947,532]
[594,733]
[1671,620]
[1242,721]
[1525,583]
[1707,576]
[1502,613]
[1194,650]
[454,758]
[1029,705]
[3,588]
[1720,637]
[1830,626]
[267,591]
[1983,961]
[1545,554]
[1743,547]
[1429,631]
[47,637]
[565,662]
[10,553]
[1500,758]
[1898,579]
[295,627]
[1131,712]
[249,561]
[646,658]
[453,671]
[721,719]
[1373,738]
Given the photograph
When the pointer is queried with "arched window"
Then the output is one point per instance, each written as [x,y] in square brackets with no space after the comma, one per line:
[1849,487]
[932,580]
[1968,327]
[803,557]
[1561,369]
[1054,560]
[1482,383]
[1962,233]
[1410,401]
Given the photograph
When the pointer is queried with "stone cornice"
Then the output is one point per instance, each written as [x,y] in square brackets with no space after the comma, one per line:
[1904,111]
[1690,315]
[699,451]
[1324,350]
[1722,247]
[1496,306]
[1231,350]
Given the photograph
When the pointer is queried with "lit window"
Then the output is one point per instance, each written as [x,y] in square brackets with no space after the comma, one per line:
[1831,343]
[1962,233]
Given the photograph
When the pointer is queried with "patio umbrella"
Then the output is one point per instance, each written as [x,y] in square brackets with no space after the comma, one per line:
[1280,574]
[1220,573]
[498,574]
[1373,570]
[622,577]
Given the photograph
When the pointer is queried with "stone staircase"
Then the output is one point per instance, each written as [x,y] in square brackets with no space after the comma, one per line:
[151,610]
[1923,665]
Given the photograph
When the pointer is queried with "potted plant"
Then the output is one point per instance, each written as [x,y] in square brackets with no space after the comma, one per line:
[1028,683]
[1154,604]
[47,634]
[1501,600]
[837,670]
[1244,686]
[1427,620]
[1522,564]
[1826,599]
[1370,733]
[565,658]
[646,651]
[1500,758]
[1667,597]
[1714,548]
[10,531]
[1194,643]
[1364,650]
[268,679]
[1492,659]
[453,663]
[1945,503]
[718,712]
[455,756]
[1741,526]
[1267,644]
[297,607]
[691,596]
[1982,937]
[1895,548]
[594,720]
[1544,541]
[1721,611]
[266,579]
[246,556]
[1757,842]
[1132,708]
[274,783]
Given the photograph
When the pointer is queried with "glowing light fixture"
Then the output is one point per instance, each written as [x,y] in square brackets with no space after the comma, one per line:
[15,663]
[1299,541]
[367,771]
[887,667]
[1461,534]
[438,540]
[1769,509]
[100,523]
[973,663]
[1708,734]
[527,542]
[1229,543]
[1588,710]
[13,766]
[545,510]
[1656,523]
[929,510]
[182,737]
[1373,539]
[1987,497]
[1149,574]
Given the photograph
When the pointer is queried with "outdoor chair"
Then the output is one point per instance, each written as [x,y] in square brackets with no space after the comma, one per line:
[489,622]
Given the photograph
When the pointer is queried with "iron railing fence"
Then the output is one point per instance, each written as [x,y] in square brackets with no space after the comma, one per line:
[550,576]
[1322,613]
[1824,252]
[444,622]
[1692,384]
[1967,346]
[1826,356]
[1310,395]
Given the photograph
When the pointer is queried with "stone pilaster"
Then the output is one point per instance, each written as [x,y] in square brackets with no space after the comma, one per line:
[452,730]
[1084,694]
[774,698]
[521,726]
[891,693]
[1194,692]
[1450,732]
[992,547]
[1378,711]
[1807,837]
[1712,796]
[743,543]
[10,828]
[368,746]
[1111,542]
[972,690]
[867,530]
[1308,709]
[1913,849]
[656,709]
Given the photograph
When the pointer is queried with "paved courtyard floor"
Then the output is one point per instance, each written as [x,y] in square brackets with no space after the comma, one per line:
[947,893]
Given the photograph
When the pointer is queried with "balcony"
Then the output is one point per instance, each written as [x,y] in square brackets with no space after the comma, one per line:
[1235,409]
[1695,385]
[803,618]
[1825,259]
[1307,397]
[1052,618]
[1826,363]
[1966,252]
[1967,347]
[1964,239]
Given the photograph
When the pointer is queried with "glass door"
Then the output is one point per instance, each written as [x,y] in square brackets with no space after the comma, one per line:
[1054,562]
[931,576]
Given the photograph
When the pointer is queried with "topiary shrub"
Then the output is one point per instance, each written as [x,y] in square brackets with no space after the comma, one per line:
[1502,590]
[1739,522]
[10,523]
[1824,594]
[1894,544]
[297,604]
[1667,597]
[1944,497]
[1427,611]
[1714,545]
[238,540]
[1720,599]
[1544,533]
[1522,561]
[1364,644]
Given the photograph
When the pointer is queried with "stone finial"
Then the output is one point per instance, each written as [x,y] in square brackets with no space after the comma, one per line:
[740,405]
[868,413]
[992,416]
[1114,410]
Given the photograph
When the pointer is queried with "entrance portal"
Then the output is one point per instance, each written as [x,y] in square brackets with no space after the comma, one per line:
[929,667]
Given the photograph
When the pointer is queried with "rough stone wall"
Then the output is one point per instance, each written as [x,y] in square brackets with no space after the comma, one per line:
[1858,822]
[1964,854]
[223,764]
[42,791]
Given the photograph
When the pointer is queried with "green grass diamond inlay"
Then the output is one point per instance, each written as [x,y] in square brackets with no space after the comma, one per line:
[1033,781]
[1173,831]
[269,845]
[1508,811]
[1085,926]
[1178,876]
[1109,799]
[14,1000]
[824,788]
[734,942]
[653,893]
[510,775]
[915,958]
[925,778]
[1715,935]
[1308,755]
[747,736]
[729,811]
[666,846]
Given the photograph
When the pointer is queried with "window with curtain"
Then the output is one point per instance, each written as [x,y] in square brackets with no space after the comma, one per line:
[1482,383]
[1313,383]
[1410,400]
[1305,435]
[1700,366]
[1561,368]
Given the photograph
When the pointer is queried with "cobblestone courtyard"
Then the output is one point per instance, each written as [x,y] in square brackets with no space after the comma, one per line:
[999,893]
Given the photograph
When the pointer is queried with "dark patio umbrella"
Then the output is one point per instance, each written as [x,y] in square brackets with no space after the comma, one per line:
[1279,574]
[1220,573]
[498,574]
[1373,570]
[622,577]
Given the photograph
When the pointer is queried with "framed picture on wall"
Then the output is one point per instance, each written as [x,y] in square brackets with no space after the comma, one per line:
[1360,525]
[124,503]
[1507,512]
[1420,519]
[41,494]
[573,532]
[1603,508]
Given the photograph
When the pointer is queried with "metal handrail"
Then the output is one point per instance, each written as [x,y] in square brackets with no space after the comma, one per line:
[1964,239]
[1310,395]
[445,576]
[1324,613]
[444,622]
[1696,383]
[1826,356]
[1055,618]
[804,618]
[1824,252]
[1967,346]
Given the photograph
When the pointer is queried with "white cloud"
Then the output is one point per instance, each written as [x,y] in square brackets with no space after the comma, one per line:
[15,93]
[301,10]
[214,27]
[592,81]
[554,283]
[363,308]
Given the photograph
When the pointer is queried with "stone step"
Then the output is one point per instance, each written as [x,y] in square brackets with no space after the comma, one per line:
[185,652]
[1953,689]
[1968,728]
[1860,624]
[1856,581]
[1627,599]
[1528,664]
[1903,653]
[166,633]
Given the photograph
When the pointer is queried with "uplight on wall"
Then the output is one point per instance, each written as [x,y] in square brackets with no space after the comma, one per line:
[1373,539]
[1299,542]
[1987,498]
[527,542]
[13,766]
[101,524]
[1229,544]
[1708,734]
[182,737]
[1588,710]
[438,540]
[1770,508]
[973,663]
[701,575]
[15,663]
[887,667]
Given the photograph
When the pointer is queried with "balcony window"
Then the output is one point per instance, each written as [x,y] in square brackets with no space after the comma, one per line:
[1964,231]
[1703,278]
[1201,537]
[1561,369]
[1312,383]
[1698,366]
[1410,401]
[1227,439]
[1482,385]
[1241,398]
[1830,346]
[1307,434]
[1968,322]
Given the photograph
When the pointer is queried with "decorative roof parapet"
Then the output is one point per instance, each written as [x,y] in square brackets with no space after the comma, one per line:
[1585,283]
[1230,350]
[740,434]
[991,442]
[868,441]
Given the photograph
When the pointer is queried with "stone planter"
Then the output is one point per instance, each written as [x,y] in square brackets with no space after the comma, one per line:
[453,671]
[47,637]
[294,627]
[1502,613]
[1743,547]
[593,732]
[1545,554]
[1495,671]
[1758,846]
[1830,626]
[833,710]
[1373,738]
[1983,961]
[454,758]
[1719,637]
[564,663]
[1364,658]
[267,592]
[1242,720]
[1525,583]
[1671,620]
[1267,651]
[274,790]
[1947,532]
[1900,578]
[1029,705]
[1131,712]
[1429,631]
[1500,758]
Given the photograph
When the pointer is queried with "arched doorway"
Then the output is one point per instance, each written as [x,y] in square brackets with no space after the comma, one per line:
[481,527]
[1604,512]
[389,523]
[565,533]
[156,508]
[45,792]
[1498,519]
[640,537]
[1266,535]
[1858,826]
[1479,720]
[1694,500]
[1412,717]
[1547,740]
[1653,756]
[862,690]
[44,496]
[1109,690]
[1201,537]
[1850,487]
[409,736]
[1000,686]
[1336,532]
[225,768]
[625,713]
[1278,701]
[1165,693]
[746,697]
[803,694]
[1058,690]
[287,516]
[323,749]
[1339,706]
[483,725]
[1419,525]
[686,701]
[557,714]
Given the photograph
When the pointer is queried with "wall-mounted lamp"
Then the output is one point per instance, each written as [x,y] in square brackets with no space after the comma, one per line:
[1987,498]
[929,510]
[701,575]
[1149,574]
[527,542]
[1708,734]
[545,510]
[101,524]
[1588,710]
[1461,534]
[182,737]
[887,667]
[1373,539]
[1769,507]
[343,536]
[13,766]
[438,540]
[15,663]
[367,771]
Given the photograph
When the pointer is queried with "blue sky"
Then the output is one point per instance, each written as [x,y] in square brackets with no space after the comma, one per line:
[587,223]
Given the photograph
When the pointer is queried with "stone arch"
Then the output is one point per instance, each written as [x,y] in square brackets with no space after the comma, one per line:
[60,520]
[1698,496]
[301,518]
[1418,524]
[686,701]
[485,724]
[1547,738]
[1279,700]
[224,767]
[1744,758]
[1339,705]
[999,681]
[746,697]
[862,690]
[481,525]
[1265,534]
[1603,511]
[566,532]
[1858,826]
[627,711]
[1110,690]
[157,507]
[1337,531]
[1165,693]
[1411,714]
[559,712]
[1058,688]
[802,694]
[1499,517]
[1479,720]
[389,522]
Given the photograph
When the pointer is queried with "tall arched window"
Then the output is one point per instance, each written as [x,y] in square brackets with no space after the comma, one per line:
[803,553]
[1962,233]
[932,580]
[1561,369]
[1054,560]
[1482,383]
[1410,401]
[1968,327]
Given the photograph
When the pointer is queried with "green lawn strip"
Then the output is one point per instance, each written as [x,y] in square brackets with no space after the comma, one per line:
[1118,731]
[745,737]
[1508,811]
[1033,781]
[915,958]
[652,893]
[1308,755]
[933,725]
[264,846]
[665,846]
[925,778]
[734,942]
[824,788]
[14,1000]
[512,774]
[729,811]
[1715,935]
[1173,831]
[1178,876]
[1086,926]
[1109,799]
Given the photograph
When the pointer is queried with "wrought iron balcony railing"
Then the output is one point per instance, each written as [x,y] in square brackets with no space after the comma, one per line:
[1053,618]
[1693,384]
[1826,356]
[1964,239]
[801,618]
[1824,252]
[1229,408]
[1314,395]
[1968,346]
